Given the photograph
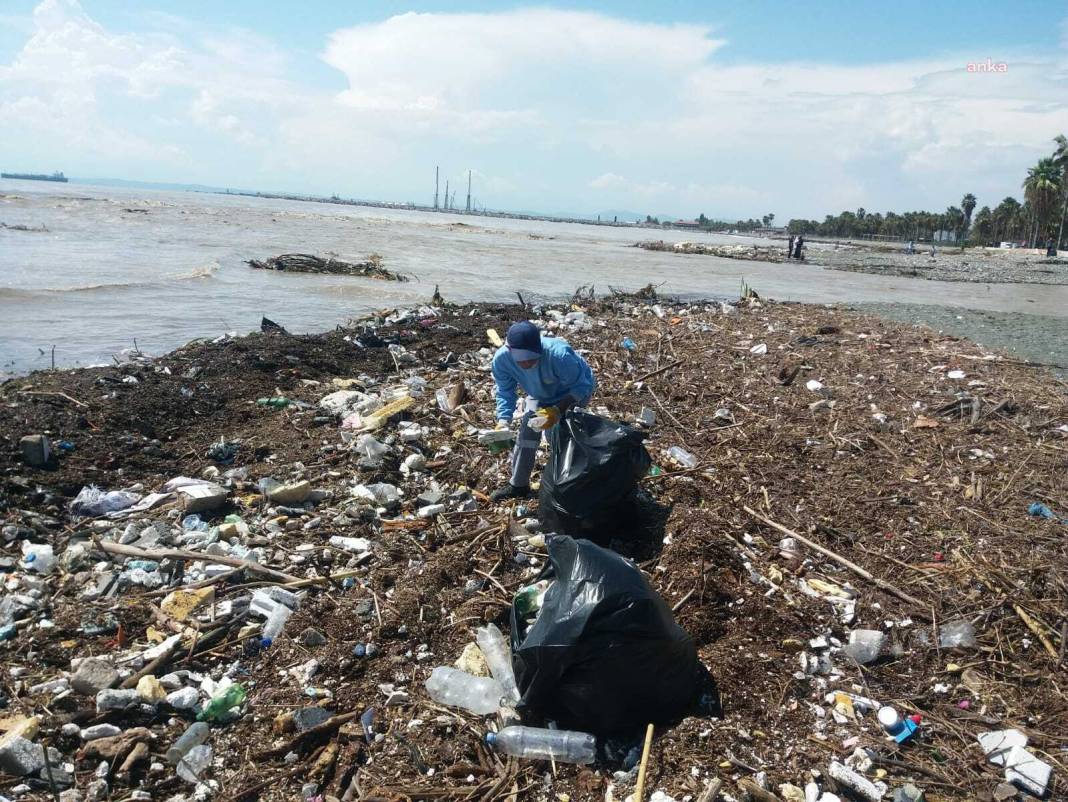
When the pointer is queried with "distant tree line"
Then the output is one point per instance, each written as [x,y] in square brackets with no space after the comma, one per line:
[1038,220]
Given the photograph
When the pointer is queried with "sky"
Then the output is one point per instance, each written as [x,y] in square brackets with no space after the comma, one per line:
[734,110]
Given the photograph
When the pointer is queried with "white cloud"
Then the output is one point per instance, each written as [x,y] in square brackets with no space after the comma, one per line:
[554,109]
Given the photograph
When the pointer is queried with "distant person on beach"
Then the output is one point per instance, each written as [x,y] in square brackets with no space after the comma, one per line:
[934,250]
[553,376]
[798,246]
[790,248]
[1051,249]
[911,247]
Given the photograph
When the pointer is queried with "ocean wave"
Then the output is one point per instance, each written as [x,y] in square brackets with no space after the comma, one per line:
[202,272]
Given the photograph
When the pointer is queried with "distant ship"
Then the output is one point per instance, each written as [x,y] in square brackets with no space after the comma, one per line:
[34,177]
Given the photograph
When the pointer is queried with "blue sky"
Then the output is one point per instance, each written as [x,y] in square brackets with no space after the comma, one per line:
[733,109]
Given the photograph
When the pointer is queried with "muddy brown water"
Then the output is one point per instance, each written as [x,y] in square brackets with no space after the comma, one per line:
[117,266]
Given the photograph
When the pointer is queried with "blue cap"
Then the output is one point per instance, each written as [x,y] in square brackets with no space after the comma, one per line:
[491,739]
[524,336]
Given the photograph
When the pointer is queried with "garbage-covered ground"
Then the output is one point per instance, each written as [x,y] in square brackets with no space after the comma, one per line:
[934,472]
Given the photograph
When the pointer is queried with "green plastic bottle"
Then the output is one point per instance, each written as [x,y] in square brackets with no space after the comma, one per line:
[278,402]
[233,696]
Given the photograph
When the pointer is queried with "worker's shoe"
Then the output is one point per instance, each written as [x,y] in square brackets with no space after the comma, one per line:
[510,491]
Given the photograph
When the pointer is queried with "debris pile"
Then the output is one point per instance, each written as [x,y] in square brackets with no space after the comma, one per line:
[267,568]
[752,253]
[309,263]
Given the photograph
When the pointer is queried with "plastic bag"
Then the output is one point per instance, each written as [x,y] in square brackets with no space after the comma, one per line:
[587,487]
[605,654]
[93,502]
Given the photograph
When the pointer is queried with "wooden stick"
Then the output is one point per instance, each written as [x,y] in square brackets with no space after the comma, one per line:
[327,726]
[757,793]
[650,375]
[639,789]
[1034,627]
[838,558]
[711,791]
[61,395]
[181,554]
[151,667]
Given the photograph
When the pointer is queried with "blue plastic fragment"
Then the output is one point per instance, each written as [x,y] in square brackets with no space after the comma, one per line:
[1040,510]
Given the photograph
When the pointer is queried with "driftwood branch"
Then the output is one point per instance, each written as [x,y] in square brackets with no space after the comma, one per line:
[181,554]
[838,558]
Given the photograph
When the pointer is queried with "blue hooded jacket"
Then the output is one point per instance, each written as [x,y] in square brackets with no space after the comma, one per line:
[559,373]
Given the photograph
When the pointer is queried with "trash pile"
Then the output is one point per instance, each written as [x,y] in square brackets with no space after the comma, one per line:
[310,263]
[752,253]
[267,567]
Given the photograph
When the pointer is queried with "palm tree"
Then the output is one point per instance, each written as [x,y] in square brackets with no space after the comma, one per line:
[967,204]
[1060,158]
[1041,189]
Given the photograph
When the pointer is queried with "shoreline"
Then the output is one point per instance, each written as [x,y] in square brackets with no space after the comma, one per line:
[974,265]
[846,427]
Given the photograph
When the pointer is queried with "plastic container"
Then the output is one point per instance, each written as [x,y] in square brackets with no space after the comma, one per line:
[233,696]
[683,457]
[498,656]
[194,735]
[450,686]
[896,727]
[535,743]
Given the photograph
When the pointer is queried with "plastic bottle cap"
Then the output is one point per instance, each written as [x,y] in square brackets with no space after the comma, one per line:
[888,717]
[491,739]
[265,642]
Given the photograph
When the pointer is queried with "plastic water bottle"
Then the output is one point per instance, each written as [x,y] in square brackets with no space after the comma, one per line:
[565,746]
[683,457]
[194,735]
[450,686]
[274,624]
[499,659]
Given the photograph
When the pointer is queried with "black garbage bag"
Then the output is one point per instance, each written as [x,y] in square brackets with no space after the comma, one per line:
[605,654]
[588,487]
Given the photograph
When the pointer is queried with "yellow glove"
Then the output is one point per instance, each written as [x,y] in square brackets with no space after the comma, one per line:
[501,425]
[546,418]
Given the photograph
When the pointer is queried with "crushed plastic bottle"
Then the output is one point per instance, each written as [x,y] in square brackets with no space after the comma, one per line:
[194,735]
[865,645]
[455,688]
[367,445]
[535,743]
[957,634]
[499,659]
[233,696]
[195,763]
[682,456]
